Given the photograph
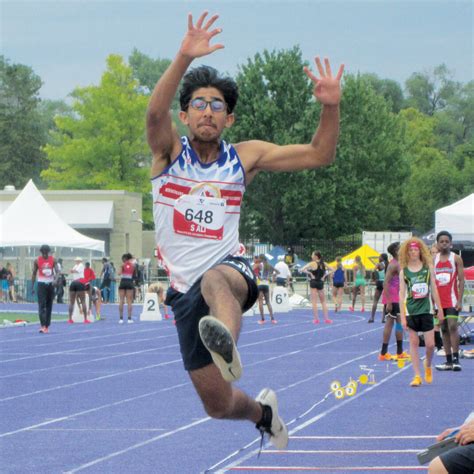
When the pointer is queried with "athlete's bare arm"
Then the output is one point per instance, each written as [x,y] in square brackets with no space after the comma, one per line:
[162,137]
[460,269]
[392,270]
[402,296]
[434,292]
[258,155]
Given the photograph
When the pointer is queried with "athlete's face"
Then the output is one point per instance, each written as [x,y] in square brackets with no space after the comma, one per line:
[434,250]
[414,253]
[207,124]
[444,244]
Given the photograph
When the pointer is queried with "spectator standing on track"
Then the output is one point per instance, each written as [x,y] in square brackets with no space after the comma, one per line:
[391,309]
[77,290]
[265,272]
[459,460]
[378,277]
[126,287]
[317,272]
[89,277]
[291,259]
[449,273]
[438,340]
[358,271]
[44,269]
[96,298]
[282,272]
[60,282]
[417,289]
[197,233]
[11,282]
[339,282]
[113,281]
[3,284]
[106,280]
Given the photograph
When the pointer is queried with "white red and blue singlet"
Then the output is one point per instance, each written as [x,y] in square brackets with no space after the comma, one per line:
[196,209]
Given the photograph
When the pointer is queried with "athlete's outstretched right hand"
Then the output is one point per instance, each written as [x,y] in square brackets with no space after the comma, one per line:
[196,42]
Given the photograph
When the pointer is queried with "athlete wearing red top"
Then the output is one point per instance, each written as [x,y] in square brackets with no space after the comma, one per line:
[449,273]
[44,270]
[126,288]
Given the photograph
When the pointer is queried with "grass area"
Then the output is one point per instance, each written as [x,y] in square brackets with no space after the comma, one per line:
[30,317]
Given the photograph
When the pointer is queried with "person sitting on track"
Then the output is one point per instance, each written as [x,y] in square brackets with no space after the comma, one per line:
[459,460]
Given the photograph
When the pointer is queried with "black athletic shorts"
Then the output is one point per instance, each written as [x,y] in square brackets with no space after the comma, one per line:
[459,460]
[264,288]
[395,310]
[338,285]
[189,308]
[318,284]
[126,284]
[420,322]
[76,286]
[281,282]
[379,285]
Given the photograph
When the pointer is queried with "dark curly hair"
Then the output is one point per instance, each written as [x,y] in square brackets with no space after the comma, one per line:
[206,76]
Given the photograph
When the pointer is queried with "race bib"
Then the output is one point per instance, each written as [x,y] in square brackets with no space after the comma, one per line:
[47,272]
[419,290]
[443,278]
[199,216]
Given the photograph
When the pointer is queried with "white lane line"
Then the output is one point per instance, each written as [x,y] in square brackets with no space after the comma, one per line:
[79,349]
[327,469]
[92,410]
[101,429]
[321,415]
[88,361]
[174,361]
[53,335]
[367,437]
[342,451]
[95,379]
[138,445]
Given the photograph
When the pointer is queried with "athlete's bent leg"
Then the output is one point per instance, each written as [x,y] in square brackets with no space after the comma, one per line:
[221,399]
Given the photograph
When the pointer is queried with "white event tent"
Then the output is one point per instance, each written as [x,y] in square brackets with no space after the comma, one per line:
[458,219]
[29,221]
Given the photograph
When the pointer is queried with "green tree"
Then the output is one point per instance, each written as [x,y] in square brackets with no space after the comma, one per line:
[434,180]
[102,144]
[359,191]
[389,89]
[147,71]
[430,91]
[21,133]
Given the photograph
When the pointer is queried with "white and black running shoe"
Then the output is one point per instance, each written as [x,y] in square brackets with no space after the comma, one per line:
[444,366]
[219,342]
[271,422]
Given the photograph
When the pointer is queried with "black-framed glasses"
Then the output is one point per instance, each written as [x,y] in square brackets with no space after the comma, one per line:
[201,104]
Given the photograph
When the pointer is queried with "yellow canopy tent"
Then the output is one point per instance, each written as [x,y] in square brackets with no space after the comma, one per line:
[368,255]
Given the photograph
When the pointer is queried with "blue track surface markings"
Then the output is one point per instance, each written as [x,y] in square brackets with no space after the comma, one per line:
[106,398]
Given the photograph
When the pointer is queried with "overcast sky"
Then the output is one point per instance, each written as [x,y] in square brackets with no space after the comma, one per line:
[66,42]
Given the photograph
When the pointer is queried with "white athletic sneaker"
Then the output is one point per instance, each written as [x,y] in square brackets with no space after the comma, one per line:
[120,321]
[219,342]
[274,426]
[441,352]
[130,321]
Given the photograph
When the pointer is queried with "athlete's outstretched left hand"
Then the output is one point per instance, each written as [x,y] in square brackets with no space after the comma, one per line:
[327,89]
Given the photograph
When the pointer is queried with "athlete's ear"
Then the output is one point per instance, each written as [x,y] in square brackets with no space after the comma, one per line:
[229,120]
[183,116]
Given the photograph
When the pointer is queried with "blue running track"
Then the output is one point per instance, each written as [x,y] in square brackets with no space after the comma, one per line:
[110,398]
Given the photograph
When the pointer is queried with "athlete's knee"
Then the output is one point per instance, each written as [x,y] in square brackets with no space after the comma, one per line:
[437,467]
